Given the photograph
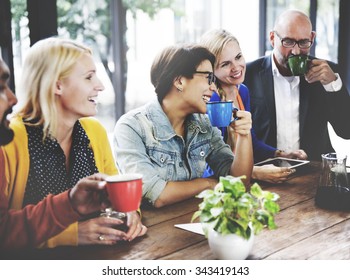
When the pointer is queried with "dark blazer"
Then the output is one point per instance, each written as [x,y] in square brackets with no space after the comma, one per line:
[261,150]
[317,107]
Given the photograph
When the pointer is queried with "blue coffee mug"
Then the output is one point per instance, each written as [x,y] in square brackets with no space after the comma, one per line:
[220,113]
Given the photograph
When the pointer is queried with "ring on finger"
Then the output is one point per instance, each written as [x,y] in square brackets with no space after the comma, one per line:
[101,238]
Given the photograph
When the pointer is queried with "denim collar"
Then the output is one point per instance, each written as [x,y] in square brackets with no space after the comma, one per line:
[163,129]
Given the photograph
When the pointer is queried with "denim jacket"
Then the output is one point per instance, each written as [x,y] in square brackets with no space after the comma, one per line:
[145,142]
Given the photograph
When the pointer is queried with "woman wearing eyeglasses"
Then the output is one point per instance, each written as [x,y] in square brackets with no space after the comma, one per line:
[230,68]
[57,142]
[170,139]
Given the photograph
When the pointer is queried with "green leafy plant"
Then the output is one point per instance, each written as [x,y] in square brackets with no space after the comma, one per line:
[229,208]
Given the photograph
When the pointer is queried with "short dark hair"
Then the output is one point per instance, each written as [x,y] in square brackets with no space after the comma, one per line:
[176,61]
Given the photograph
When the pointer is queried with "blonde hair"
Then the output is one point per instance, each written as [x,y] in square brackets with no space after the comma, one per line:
[47,61]
[215,41]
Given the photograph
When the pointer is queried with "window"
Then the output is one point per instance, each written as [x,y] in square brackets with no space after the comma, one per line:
[327,28]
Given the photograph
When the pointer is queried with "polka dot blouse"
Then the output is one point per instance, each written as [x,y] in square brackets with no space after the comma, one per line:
[47,172]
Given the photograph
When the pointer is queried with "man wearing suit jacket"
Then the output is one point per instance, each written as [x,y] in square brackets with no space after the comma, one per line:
[291,112]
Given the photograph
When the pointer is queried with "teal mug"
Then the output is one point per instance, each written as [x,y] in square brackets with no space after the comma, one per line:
[220,113]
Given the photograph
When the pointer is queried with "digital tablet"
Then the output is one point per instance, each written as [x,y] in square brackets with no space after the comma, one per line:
[283,162]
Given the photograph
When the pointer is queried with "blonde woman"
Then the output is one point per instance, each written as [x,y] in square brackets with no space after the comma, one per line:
[56,141]
[230,68]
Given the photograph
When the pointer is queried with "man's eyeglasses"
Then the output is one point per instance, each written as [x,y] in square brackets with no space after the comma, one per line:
[211,77]
[290,43]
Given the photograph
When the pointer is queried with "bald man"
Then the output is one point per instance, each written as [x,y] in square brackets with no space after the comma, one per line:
[291,112]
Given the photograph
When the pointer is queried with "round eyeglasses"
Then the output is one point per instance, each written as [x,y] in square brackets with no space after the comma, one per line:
[290,43]
[211,77]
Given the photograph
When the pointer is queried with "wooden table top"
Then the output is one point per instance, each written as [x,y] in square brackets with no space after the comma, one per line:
[304,231]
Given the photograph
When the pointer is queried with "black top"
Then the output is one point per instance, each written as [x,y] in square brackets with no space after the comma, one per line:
[47,170]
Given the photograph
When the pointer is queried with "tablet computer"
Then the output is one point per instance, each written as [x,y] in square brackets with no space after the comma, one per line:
[283,162]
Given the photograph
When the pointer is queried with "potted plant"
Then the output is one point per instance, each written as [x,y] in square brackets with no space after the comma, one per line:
[231,216]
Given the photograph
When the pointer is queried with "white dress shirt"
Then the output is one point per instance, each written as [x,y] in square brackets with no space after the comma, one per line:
[287,99]
[287,110]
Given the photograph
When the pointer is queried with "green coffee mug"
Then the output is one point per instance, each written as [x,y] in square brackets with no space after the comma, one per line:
[298,64]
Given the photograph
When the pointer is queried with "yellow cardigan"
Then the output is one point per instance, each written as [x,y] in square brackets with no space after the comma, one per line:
[17,169]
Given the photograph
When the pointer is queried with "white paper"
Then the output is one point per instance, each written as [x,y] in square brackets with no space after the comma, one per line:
[193,227]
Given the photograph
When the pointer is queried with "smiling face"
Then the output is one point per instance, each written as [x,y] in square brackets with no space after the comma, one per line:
[77,93]
[7,101]
[196,90]
[231,66]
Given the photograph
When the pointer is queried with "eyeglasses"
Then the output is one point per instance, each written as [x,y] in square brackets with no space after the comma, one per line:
[211,77]
[290,43]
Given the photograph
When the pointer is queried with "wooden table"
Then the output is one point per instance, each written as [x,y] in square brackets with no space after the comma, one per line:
[304,231]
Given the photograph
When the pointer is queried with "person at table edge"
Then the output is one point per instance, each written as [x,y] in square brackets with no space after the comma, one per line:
[292,112]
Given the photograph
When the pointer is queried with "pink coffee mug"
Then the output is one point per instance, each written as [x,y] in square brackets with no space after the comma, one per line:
[125,191]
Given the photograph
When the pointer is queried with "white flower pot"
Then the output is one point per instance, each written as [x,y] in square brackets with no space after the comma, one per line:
[230,246]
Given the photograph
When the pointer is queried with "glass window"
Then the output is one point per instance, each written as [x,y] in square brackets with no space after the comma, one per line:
[89,22]
[146,34]
[20,39]
[186,22]
[327,29]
